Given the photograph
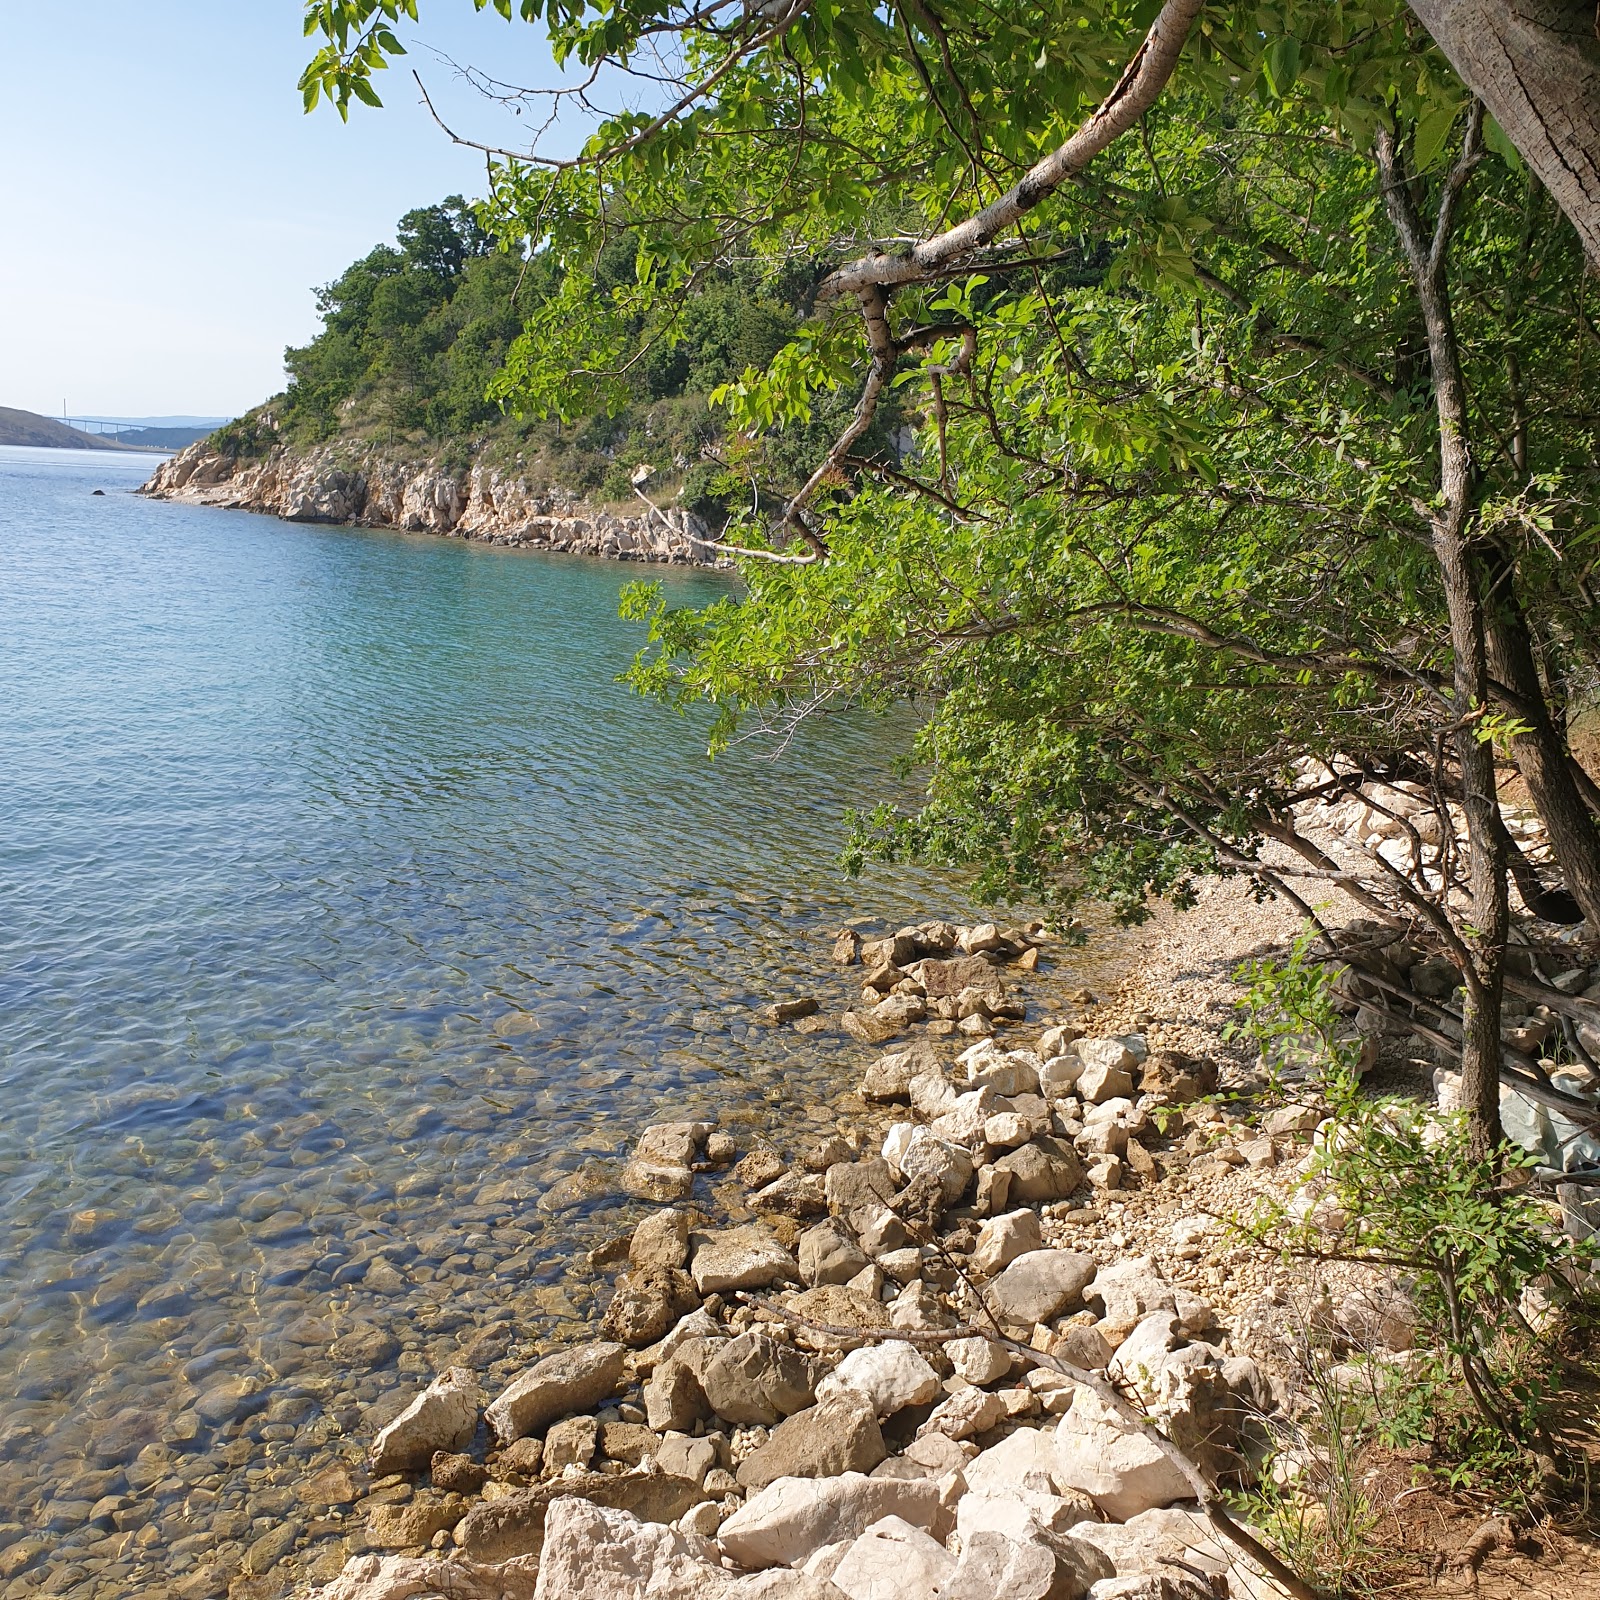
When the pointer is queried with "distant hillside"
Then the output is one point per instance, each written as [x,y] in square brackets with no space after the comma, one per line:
[43,433]
[415,334]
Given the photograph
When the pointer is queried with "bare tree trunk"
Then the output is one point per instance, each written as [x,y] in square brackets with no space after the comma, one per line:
[1536,65]
[1461,567]
[1542,757]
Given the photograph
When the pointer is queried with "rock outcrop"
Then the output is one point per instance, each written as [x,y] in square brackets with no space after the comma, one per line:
[375,487]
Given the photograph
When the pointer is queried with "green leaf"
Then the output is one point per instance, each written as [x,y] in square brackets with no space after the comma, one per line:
[1281,63]
[1433,129]
[1494,136]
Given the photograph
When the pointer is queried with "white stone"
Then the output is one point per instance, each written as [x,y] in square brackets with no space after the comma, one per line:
[443,1417]
[1111,1461]
[1129,1291]
[603,1554]
[893,1561]
[1059,1076]
[791,1517]
[576,1379]
[926,1155]
[1006,1130]
[1096,1083]
[995,1566]
[1145,1544]
[896,1142]
[1140,1356]
[891,1375]
[1109,1054]
[979,1361]
[1018,1514]
[963,1123]
[1022,1460]
[1002,1239]
[1040,1285]
[372,1577]
[962,1415]
[740,1258]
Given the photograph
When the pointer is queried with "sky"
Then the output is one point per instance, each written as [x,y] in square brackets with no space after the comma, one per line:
[167,209]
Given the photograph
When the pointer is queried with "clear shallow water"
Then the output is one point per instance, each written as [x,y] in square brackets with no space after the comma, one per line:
[346,903]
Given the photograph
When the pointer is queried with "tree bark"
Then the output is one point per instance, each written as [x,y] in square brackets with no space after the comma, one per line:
[1543,759]
[1465,580]
[1536,65]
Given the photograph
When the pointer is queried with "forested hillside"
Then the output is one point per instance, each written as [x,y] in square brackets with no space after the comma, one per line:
[416,336]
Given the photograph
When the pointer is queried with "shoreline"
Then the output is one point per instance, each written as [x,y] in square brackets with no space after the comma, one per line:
[483,1512]
[365,485]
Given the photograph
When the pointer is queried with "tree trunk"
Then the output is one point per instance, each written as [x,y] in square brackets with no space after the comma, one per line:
[1536,65]
[1461,567]
[1543,759]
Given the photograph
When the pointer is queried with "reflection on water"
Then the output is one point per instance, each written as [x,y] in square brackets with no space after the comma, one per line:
[346,903]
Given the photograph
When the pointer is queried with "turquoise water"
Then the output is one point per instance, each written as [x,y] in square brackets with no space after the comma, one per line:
[346,902]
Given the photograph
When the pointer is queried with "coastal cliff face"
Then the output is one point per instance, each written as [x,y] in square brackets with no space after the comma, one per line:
[373,488]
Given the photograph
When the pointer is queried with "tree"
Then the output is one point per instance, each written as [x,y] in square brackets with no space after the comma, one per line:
[1255,425]
[1536,65]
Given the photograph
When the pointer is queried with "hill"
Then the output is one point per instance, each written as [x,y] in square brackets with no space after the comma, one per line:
[414,335]
[44,433]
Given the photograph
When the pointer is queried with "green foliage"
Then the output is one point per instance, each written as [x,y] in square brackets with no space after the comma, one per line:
[1172,529]
[1400,1186]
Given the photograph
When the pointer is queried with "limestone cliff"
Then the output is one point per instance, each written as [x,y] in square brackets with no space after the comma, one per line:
[378,488]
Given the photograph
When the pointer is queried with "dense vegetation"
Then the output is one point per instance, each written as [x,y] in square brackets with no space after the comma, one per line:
[416,336]
[1250,373]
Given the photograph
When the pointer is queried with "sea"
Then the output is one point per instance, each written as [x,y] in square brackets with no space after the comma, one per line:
[354,920]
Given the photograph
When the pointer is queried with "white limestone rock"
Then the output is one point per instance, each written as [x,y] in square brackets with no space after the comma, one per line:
[892,1375]
[892,1560]
[790,1518]
[443,1417]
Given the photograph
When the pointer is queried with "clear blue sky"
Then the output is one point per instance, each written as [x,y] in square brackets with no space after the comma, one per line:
[168,209]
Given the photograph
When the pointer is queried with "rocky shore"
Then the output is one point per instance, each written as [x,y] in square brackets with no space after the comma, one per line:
[374,487]
[850,1382]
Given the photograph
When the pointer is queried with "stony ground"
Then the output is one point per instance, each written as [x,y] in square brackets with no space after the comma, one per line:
[832,1367]
[845,1382]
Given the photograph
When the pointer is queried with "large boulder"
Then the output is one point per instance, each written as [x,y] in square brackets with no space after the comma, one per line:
[755,1380]
[1022,1460]
[1040,1286]
[1126,1293]
[979,1361]
[856,1186]
[837,1305]
[1147,1546]
[792,1517]
[892,1560]
[740,1258]
[648,1304]
[1045,1169]
[578,1379]
[889,1077]
[496,1530]
[674,1398]
[1109,1459]
[839,1435]
[443,1417]
[603,1554]
[1212,1407]
[1002,1239]
[661,1168]
[660,1242]
[926,1155]
[891,1375]
[829,1254]
[1022,1513]
[994,1566]
[372,1577]
[944,980]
